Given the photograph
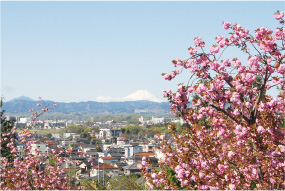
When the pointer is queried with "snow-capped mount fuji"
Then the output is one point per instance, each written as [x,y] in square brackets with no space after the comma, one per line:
[142,95]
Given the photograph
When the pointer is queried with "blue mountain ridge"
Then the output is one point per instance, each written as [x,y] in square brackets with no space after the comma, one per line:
[17,106]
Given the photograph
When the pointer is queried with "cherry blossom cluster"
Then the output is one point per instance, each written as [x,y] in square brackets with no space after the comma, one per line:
[26,172]
[235,139]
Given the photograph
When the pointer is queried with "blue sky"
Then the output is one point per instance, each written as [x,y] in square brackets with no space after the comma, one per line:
[77,51]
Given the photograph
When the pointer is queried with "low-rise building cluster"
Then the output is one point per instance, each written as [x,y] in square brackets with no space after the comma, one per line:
[107,153]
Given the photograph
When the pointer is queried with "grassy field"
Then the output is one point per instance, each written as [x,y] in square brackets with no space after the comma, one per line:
[45,131]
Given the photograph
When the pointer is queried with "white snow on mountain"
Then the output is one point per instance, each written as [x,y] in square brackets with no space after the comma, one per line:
[141,95]
[136,96]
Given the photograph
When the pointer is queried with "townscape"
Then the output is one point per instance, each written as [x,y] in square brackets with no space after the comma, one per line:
[109,150]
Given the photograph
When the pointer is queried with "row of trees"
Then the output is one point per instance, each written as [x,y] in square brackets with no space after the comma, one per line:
[150,130]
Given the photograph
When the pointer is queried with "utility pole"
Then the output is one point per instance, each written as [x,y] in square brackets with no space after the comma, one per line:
[98,170]
[103,176]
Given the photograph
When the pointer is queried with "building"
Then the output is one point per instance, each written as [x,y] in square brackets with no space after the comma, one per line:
[130,151]
[56,135]
[42,148]
[147,147]
[131,169]
[110,133]
[106,159]
[99,169]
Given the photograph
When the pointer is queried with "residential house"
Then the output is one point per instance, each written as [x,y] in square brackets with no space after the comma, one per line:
[106,159]
[131,169]
[146,154]
[117,156]
[151,156]
[121,140]
[84,168]
[99,169]
[83,140]
[148,147]
[92,154]
[51,145]
[75,136]
[116,150]
[87,147]
[106,146]
[138,157]
[56,135]
[102,154]
[120,166]
[133,159]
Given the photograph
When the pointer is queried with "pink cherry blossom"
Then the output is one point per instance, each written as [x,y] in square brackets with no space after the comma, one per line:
[226,25]
[214,49]
[192,50]
[232,187]
[231,154]
[199,42]
[279,15]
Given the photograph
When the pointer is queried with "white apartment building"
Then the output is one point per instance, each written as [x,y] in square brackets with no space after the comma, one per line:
[130,151]
[41,147]
[109,133]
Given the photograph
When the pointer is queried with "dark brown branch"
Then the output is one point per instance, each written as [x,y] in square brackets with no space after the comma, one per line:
[223,111]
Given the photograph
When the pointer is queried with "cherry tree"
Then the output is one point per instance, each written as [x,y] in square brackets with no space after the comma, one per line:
[28,172]
[235,134]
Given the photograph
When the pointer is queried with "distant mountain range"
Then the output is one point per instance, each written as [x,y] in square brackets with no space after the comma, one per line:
[23,104]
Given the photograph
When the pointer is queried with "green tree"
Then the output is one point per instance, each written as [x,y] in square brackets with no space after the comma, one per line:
[134,122]
[118,183]
[98,149]
[6,128]
[75,129]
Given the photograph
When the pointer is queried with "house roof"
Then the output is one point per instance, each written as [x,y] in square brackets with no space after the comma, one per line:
[120,164]
[115,150]
[104,166]
[146,154]
[136,157]
[116,154]
[86,146]
[51,143]
[133,166]
[86,163]
[107,158]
